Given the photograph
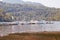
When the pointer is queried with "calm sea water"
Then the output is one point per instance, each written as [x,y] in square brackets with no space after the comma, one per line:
[4,30]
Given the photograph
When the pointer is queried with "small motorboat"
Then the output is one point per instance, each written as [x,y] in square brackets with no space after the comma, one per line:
[9,23]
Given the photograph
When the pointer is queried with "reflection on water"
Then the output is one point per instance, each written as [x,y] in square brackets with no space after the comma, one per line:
[28,28]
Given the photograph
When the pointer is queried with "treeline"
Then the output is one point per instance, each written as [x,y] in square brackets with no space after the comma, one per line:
[5,16]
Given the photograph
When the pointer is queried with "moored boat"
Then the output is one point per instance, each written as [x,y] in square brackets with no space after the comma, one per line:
[9,23]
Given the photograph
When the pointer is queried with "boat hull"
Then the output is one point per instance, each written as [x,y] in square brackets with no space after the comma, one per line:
[8,23]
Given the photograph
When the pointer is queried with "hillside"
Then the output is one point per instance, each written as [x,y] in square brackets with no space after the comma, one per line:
[30,11]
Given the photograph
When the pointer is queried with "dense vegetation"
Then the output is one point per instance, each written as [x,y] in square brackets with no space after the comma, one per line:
[5,17]
[29,11]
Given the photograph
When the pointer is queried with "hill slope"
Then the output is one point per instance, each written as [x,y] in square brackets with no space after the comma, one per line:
[30,11]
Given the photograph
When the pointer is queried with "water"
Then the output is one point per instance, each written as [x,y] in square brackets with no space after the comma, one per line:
[4,30]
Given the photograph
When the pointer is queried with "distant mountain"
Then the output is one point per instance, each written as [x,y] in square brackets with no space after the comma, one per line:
[12,1]
[30,11]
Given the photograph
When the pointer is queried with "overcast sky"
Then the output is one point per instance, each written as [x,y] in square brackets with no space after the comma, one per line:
[49,3]
[0,0]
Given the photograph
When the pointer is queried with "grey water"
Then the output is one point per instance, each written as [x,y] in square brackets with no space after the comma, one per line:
[7,29]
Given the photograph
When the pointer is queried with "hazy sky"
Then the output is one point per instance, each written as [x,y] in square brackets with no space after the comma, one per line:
[49,3]
[0,0]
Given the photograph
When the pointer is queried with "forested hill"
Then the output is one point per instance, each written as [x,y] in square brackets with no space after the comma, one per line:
[28,11]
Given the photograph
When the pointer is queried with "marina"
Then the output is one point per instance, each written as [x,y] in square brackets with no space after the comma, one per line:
[26,22]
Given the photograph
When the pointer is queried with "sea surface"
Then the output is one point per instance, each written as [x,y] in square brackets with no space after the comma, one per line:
[7,29]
